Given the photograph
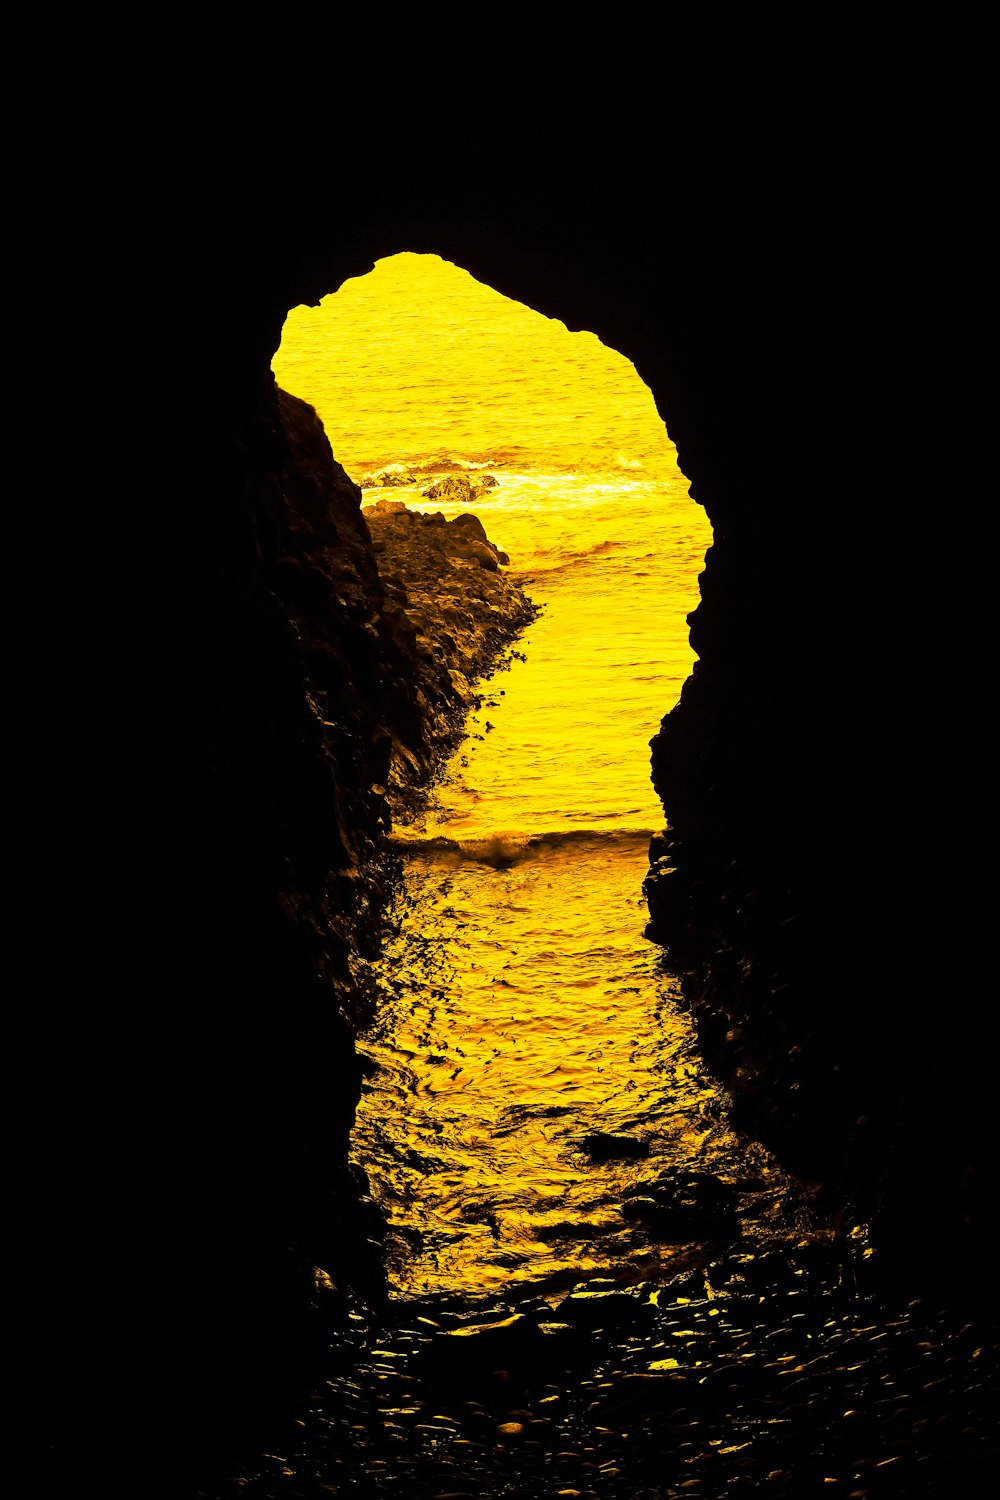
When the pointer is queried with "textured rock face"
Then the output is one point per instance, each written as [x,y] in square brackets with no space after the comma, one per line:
[330,707]
[445,595]
[244,1123]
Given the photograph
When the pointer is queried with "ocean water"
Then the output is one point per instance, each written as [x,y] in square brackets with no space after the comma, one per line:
[420,365]
[522,1008]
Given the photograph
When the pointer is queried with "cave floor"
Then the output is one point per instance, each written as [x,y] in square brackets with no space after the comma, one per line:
[781,1380]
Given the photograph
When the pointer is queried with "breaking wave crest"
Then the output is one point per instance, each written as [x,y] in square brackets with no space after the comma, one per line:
[504,850]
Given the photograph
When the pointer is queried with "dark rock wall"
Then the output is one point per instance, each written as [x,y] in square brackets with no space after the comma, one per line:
[330,709]
[751,272]
[273,887]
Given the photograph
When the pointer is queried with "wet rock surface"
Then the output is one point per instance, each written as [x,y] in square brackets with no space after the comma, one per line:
[323,697]
[603,1146]
[391,478]
[460,487]
[681,1206]
[769,1374]
[455,613]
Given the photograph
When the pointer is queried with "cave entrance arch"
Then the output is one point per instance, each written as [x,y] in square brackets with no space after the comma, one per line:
[418,369]
[544,824]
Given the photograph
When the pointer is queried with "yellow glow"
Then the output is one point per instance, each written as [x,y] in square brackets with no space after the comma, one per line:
[523,1008]
[420,358]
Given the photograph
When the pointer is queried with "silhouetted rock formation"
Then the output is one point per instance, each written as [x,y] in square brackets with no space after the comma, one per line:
[446,597]
[238,701]
[326,704]
[257,1078]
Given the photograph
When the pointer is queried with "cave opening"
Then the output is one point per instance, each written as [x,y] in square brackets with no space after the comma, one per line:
[757,300]
[523,1023]
[444,395]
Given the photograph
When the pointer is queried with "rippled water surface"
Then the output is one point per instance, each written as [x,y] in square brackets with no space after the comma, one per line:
[523,1010]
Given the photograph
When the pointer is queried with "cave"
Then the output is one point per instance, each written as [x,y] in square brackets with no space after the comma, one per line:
[820,918]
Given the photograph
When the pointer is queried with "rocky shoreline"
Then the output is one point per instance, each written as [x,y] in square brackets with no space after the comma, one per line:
[448,601]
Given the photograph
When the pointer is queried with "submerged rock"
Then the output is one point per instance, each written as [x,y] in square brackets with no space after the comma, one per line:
[680,1206]
[600,1146]
[518,1342]
[603,1309]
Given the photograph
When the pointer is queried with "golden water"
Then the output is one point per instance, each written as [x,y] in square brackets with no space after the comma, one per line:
[418,360]
[522,1008]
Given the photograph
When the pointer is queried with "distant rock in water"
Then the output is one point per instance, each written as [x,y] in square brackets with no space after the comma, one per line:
[460,488]
[394,477]
[452,610]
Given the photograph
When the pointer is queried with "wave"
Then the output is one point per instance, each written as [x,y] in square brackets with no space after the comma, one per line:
[502,851]
[521,460]
[426,465]
[555,559]
[573,554]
